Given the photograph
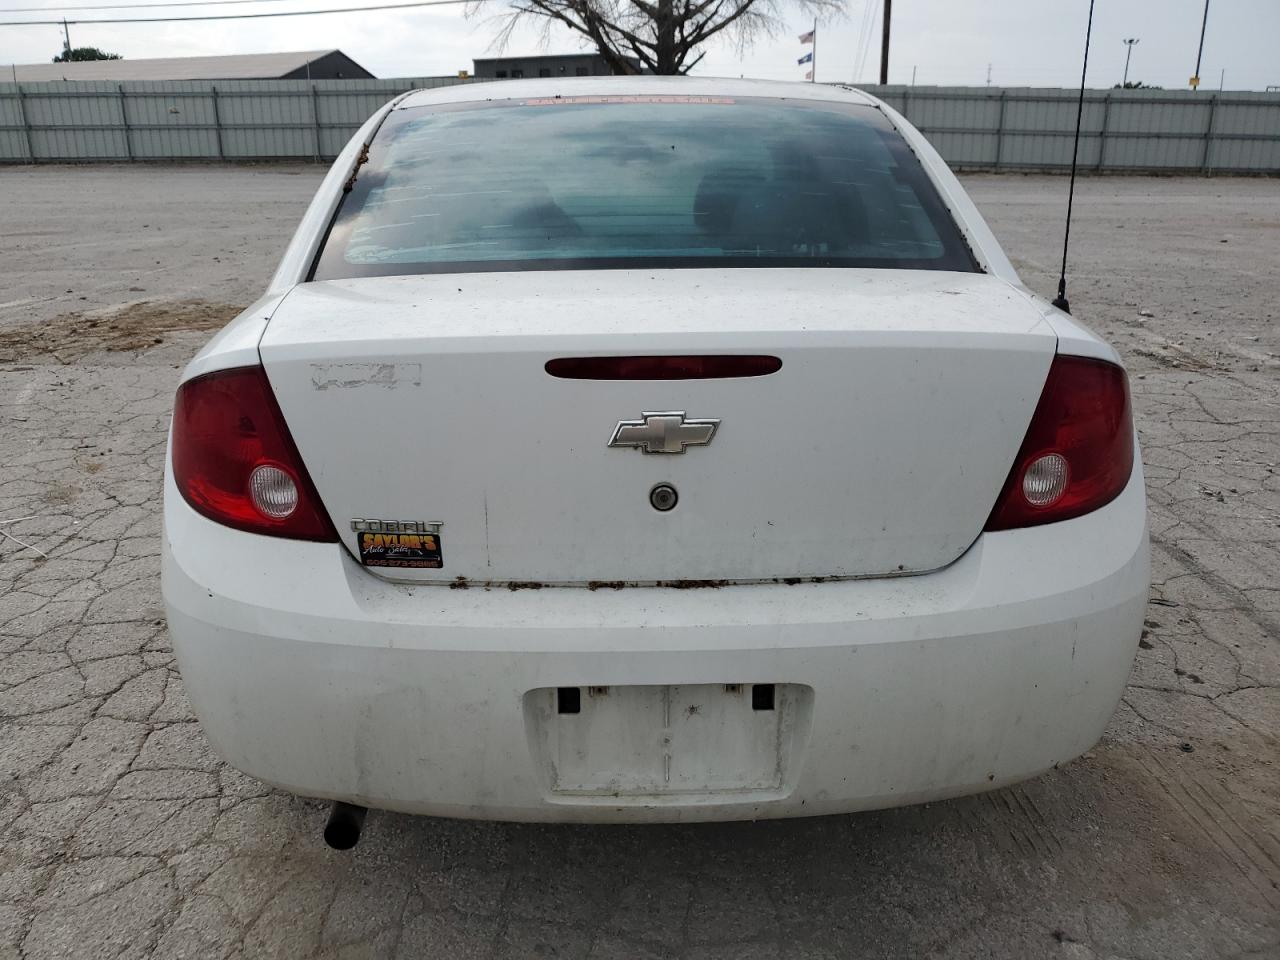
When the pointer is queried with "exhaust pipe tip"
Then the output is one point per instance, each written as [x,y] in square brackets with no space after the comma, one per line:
[346,821]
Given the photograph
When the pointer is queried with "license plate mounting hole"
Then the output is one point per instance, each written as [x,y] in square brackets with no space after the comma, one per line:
[762,696]
[568,700]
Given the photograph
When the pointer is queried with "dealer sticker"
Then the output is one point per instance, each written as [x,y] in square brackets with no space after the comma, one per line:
[400,550]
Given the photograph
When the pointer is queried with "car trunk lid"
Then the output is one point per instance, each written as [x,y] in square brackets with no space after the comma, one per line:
[877,448]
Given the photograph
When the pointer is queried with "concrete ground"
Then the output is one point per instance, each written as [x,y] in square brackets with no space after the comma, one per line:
[121,834]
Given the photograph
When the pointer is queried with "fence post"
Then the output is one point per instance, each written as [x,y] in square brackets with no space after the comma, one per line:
[315,119]
[1208,135]
[26,125]
[1004,99]
[217,121]
[124,119]
[1102,134]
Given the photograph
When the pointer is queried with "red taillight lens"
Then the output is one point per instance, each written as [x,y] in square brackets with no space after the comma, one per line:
[1078,452]
[234,461]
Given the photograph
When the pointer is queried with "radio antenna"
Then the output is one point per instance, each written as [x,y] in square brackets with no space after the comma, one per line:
[1061,300]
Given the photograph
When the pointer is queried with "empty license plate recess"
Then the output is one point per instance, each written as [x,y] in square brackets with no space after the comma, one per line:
[677,740]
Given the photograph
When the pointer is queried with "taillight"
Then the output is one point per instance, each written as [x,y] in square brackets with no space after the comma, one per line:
[1078,452]
[234,461]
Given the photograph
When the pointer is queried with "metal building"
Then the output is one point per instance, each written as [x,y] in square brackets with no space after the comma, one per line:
[302,65]
[560,65]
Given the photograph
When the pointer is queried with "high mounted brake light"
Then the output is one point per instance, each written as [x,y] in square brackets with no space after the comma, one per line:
[1078,452]
[696,367]
[235,463]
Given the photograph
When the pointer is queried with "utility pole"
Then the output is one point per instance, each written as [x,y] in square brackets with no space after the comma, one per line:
[1195,79]
[884,44]
[988,74]
[66,40]
[1128,42]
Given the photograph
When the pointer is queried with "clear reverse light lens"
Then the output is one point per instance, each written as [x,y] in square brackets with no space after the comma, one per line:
[1045,480]
[273,491]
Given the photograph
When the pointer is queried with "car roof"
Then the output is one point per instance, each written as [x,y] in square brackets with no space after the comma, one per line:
[631,86]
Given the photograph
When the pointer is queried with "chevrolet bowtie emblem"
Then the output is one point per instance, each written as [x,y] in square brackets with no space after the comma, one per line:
[663,433]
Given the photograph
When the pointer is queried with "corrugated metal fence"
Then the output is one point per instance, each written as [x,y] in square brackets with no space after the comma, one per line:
[189,119]
[1166,131]
[973,127]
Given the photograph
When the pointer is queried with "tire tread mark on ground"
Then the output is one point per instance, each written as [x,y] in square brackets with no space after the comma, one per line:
[1265,876]
[1262,840]
[1026,838]
[1036,820]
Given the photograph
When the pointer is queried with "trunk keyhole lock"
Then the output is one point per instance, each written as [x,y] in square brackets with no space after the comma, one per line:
[663,497]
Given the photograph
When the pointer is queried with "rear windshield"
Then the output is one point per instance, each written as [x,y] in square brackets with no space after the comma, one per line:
[641,181]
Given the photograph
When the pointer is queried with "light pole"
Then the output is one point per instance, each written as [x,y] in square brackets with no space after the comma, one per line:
[1204,22]
[1128,42]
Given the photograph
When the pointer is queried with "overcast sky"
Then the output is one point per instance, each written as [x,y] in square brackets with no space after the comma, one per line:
[1025,42]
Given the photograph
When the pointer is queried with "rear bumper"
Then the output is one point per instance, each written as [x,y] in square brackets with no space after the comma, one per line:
[314,676]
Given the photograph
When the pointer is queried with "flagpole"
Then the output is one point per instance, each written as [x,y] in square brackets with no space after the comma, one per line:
[813,67]
[810,39]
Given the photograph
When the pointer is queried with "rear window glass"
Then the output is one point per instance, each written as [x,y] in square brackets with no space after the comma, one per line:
[594,182]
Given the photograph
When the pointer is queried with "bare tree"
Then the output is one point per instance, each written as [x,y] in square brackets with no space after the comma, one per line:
[664,36]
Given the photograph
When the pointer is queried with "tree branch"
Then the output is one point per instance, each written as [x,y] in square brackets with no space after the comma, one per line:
[696,61]
[660,35]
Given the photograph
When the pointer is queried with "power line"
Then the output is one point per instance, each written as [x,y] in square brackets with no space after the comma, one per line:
[134,6]
[863,41]
[237,16]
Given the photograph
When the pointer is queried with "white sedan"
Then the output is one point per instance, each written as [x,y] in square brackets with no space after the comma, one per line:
[650,449]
